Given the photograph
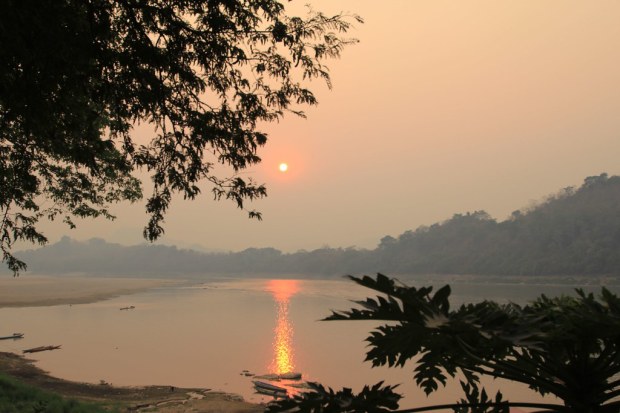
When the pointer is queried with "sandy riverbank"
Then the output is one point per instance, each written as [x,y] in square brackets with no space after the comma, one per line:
[36,291]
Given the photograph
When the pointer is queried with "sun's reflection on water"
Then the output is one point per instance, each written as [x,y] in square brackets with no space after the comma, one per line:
[283,357]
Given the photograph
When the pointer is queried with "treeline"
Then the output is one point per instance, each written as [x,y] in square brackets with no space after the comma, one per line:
[98,257]
[574,232]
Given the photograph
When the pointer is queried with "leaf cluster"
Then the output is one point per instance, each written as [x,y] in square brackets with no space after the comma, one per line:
[565,346]
[77,76]
[478,401]
[372,399]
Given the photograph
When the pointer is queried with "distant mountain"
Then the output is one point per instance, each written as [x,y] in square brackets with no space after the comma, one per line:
[574,232]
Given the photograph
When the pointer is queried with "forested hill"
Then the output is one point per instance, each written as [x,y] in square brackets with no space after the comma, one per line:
[575,232]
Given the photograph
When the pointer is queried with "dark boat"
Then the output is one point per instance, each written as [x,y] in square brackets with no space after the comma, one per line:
[13,336]
[272,393]
[42,348]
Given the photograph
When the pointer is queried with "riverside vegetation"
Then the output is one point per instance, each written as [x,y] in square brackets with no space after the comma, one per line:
[17,397]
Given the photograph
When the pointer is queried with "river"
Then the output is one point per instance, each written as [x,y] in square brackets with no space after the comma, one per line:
[210,334]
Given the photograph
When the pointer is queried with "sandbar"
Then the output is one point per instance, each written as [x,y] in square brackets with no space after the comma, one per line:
[37,291]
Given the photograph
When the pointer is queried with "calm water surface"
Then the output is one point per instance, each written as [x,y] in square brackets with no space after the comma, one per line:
[206,335]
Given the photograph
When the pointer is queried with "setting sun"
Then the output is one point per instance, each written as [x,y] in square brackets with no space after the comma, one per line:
[283,167]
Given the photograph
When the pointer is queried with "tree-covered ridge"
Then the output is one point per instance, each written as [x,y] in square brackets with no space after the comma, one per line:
[574,232]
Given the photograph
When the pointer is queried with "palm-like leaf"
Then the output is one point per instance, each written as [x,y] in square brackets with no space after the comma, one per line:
[566,346]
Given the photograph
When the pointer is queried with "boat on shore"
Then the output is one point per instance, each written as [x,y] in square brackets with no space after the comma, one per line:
[290,376]
[267,388]
[272,393]
[13,336]
[277,377]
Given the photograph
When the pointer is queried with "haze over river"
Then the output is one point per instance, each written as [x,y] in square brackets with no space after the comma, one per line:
[205,335]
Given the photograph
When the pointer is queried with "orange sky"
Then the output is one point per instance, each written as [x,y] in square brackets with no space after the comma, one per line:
[443,107]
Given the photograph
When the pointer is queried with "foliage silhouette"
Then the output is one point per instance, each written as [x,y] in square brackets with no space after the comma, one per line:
[372,399]
[568,347]
[77,76]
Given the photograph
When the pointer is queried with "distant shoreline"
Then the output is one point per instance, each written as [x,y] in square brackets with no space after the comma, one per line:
[40,291]
[51,290]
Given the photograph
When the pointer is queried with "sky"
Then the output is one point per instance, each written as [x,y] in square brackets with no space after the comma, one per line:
[443,107]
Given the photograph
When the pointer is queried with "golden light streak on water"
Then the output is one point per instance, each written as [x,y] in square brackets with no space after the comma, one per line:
[283,348]
[283,354]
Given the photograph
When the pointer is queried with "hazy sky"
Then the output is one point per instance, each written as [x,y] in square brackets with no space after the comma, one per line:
[443,107]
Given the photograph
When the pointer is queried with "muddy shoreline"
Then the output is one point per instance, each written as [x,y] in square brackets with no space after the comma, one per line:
[164,399]
[29,291]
